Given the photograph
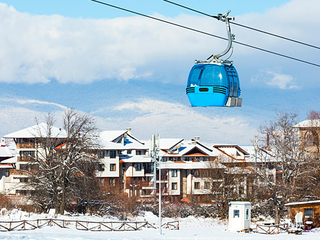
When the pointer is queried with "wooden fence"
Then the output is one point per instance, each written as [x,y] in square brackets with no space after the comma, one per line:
[271,228]
[22,225]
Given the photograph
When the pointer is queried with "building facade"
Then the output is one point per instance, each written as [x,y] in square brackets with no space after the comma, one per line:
[190,170]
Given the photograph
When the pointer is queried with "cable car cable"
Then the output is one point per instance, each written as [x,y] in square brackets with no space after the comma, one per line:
[244,26]
[205,33]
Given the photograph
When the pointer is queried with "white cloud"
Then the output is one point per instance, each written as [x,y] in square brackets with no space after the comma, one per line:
[32,101]
[281,81]
[275,79]
[41,48]
[36,48]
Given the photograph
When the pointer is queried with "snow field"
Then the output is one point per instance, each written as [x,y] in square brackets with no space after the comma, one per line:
[190,228]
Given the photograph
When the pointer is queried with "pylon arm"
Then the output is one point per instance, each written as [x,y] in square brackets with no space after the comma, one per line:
[231,37]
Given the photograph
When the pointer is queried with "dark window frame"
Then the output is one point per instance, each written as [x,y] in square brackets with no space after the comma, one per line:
[113,167]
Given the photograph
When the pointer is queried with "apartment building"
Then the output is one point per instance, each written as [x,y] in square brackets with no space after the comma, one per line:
[124,163]
[7,163]
[27,146]
[125,166]
[309,132]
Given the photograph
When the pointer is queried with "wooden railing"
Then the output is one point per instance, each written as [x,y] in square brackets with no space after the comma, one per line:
[22,225]
[17,172]
[271,228]
[26,145]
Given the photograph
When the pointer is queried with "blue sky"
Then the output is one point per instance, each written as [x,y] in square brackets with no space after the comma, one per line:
[129,71]
[89,9]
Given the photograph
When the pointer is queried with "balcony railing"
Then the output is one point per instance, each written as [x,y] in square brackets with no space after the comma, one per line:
[18,172]
[26,145]
[25,159]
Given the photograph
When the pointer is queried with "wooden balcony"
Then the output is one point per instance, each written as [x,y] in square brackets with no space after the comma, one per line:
[18,172]
[26,145]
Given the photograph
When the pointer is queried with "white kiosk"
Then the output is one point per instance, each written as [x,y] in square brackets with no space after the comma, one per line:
[239,216]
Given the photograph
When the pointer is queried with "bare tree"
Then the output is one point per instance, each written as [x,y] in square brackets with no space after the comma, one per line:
[229,181]
[63,169]
[282,161]
[309,136]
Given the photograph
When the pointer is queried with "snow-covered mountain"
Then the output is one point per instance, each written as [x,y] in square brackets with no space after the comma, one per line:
[150,107]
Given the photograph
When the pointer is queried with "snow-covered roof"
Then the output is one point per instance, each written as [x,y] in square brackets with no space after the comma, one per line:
[224,146]
[3,166]
[167,143]
[120,140]
[5,152]
[189,165]
[104,144]
[308,123]
[248,149]
[300,203]
[111,135]
[37,131]
[184,148]
[263,156]
[133,143]
[135,159]
[10,160]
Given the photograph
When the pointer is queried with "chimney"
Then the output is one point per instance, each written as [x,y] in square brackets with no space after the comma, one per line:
[197,139]
[129,130]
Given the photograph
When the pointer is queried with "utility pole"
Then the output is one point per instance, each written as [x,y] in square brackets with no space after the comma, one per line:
[255,165]
[160,219]
[154,153]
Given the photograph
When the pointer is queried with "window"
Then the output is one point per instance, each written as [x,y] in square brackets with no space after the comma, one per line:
[100,154]
[174,173]
[129,151]
[308,213]
[23,192]
[241,190]
[174,186]
[24,167]
[197,185]
[24,180]
[247,214]
[137,166]
[34,167]
[100,181]
[7,173]
[27,153]
[100,167]
[112,182]
[112,167]
[236,213]
[138,152]
[207,185]
[112,154]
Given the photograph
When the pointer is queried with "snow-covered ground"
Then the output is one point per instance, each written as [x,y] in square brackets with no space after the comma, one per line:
[190,228]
